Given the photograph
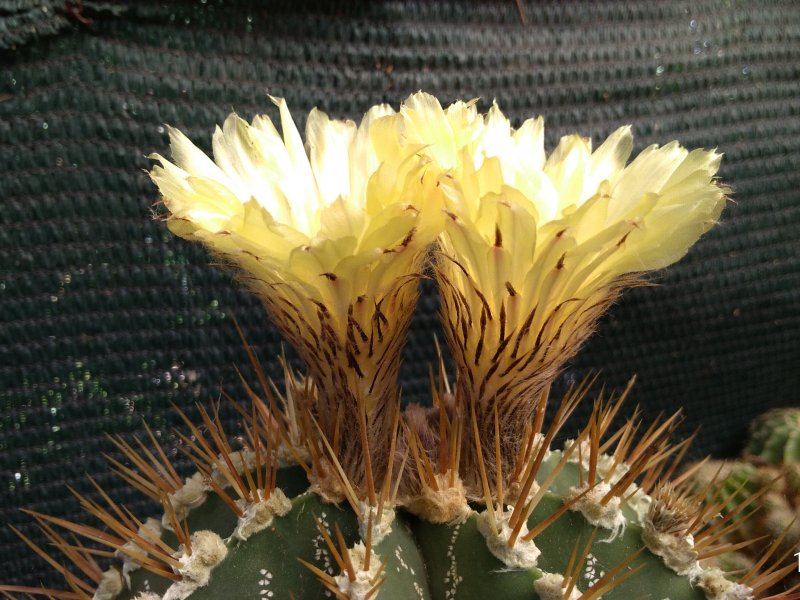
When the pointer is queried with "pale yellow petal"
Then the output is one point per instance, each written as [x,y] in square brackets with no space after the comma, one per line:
[298,184]
[328,144]
[529,141]
[567,167]
[608,160]
[364,157]
[234,155]
[190,158]
[497,140]
[425,123]
[649,172]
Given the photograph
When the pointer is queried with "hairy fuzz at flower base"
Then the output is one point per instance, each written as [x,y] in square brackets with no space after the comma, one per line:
[535,248]
[332,240]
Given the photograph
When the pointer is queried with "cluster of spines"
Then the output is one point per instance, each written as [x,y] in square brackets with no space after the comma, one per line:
[340,552]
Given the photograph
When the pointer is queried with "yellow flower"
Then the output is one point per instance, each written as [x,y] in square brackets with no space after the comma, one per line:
[331,236]
[536,247]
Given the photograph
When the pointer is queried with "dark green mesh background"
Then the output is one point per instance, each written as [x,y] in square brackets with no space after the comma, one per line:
[106,319]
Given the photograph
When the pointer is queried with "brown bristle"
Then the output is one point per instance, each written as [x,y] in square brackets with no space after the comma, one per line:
[528,473]
[51,594]
[575,566]
[344,483]
[339,551]
[671,512]
[156,556]
[761,578]
[523,510]
[644,460]
[613,577]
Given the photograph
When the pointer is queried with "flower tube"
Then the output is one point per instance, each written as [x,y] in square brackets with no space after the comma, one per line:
[535,248]
[330,236]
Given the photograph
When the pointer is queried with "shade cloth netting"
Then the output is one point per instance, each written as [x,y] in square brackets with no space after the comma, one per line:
[106,318]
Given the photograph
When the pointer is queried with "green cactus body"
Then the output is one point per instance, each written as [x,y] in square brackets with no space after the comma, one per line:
[423,560]
[775,436]
[775,439]
[462,567]
[267,565]
[738,480]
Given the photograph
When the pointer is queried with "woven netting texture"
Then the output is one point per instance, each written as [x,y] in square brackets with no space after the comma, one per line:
[106,318]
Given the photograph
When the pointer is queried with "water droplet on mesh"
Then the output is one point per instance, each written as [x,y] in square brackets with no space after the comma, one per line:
[160,129]
[59,162]
[659,70]
[746,71]
[249,19]
[45,125]
[693,25]
[53,298]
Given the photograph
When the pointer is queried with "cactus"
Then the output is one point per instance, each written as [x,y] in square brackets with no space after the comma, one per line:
[775,437]
[338,492]
[775,440]
[759,492]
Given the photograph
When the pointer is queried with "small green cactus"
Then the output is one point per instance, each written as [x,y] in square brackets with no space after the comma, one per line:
[759,493]
[338,492]
[775,437]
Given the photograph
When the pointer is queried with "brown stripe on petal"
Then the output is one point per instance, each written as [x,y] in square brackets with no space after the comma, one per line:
[501,347]
[524,330]
[352,362]
[409,237]
[479,347]
[502,322]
